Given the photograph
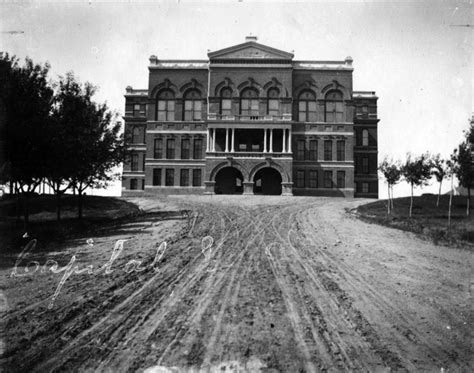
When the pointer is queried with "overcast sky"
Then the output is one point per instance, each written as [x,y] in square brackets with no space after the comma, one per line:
[417,56]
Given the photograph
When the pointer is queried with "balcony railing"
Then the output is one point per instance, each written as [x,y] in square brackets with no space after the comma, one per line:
[269,118]
[249,154]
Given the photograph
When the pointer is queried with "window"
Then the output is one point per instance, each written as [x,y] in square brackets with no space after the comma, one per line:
[365,165]
[341,179]
[185,144]
[300,145]
[307,107]
[158,149]
[197,149]
[334,107]
[249,102]
[170,149]
[365,187]
[300,179]
[313,179]
[313,150]
[157,176]
[273,107]
[341,150]
[184,177]
[134,162]
[192,105]
[365,138]
[328,179]
[328,150]
[197,177]
[169,177]
[133,184]
[136,110]
[136,135]
[165,106]
[226,102]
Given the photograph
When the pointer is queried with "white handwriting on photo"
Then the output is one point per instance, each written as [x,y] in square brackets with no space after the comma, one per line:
[71,268]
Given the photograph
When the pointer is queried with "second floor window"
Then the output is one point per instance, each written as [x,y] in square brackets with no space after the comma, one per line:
[365,138]
[157,176]
[341,179]
[136,135]
[273,107]
[197,151]
[165,106]
[313,150]
[328,179]
[169,177]
[249,102]
[328,150]
[334,107]
[307,107]
[341,150]
[300,145]
[300,179]
[184,177]
[185,148]
[192,105]
[134,163]
[158,151]
[170,149]
[226,102]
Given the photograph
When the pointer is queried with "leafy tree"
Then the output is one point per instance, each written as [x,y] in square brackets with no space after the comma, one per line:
[91,138]
[391,172]
[439,170]
[464,164]
[27,99]
[417,172]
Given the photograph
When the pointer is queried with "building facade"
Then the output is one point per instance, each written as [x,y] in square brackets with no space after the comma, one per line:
[251,120]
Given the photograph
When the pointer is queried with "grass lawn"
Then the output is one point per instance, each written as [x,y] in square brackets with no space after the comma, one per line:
[98,213]
[427,219]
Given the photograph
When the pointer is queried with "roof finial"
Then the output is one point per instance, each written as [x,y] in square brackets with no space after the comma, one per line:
[251,38]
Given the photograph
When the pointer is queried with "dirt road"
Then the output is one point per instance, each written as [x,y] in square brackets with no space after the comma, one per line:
[245,284]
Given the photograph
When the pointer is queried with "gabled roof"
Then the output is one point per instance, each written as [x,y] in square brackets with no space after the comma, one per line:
[250,50]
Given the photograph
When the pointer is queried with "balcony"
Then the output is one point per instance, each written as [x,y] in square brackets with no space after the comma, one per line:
[246,118]
[262,155]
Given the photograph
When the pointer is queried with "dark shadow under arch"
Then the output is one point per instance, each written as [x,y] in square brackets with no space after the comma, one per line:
[229,180]
[267,181]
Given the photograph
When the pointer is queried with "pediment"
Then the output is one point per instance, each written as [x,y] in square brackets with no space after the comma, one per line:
[250,50]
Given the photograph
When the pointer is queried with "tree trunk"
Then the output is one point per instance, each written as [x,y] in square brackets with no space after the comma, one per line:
[58,204]
[468,207]
[26,208]
[411,200]
[388,200]
[79,202]
[450,203]
[439,193]
[392,198]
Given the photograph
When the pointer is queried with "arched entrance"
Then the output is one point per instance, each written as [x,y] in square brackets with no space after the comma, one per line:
[229,180]
[267,181]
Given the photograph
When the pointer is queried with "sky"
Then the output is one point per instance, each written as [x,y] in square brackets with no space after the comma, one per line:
[416,55]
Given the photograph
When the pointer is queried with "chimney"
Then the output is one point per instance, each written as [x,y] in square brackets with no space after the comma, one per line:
[251,38]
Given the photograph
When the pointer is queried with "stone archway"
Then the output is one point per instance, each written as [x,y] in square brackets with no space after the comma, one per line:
[267,181]
[228,180]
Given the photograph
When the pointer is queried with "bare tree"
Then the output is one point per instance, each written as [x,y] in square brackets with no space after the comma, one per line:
[391,172]
[439,170]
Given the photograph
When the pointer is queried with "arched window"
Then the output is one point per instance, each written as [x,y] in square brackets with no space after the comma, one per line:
[249,102]
[307,107]
[226,102]
[136,135]
[273,107]
[365,138]
[334,106]
[165,106]
[192,105]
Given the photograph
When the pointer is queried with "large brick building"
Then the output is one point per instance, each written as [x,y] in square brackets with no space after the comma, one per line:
[251,120]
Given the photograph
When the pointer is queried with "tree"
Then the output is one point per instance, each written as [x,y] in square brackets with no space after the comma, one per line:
[391,172]
[464,164]
[439,170]
[91,138]
[27,99]
[416,172]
